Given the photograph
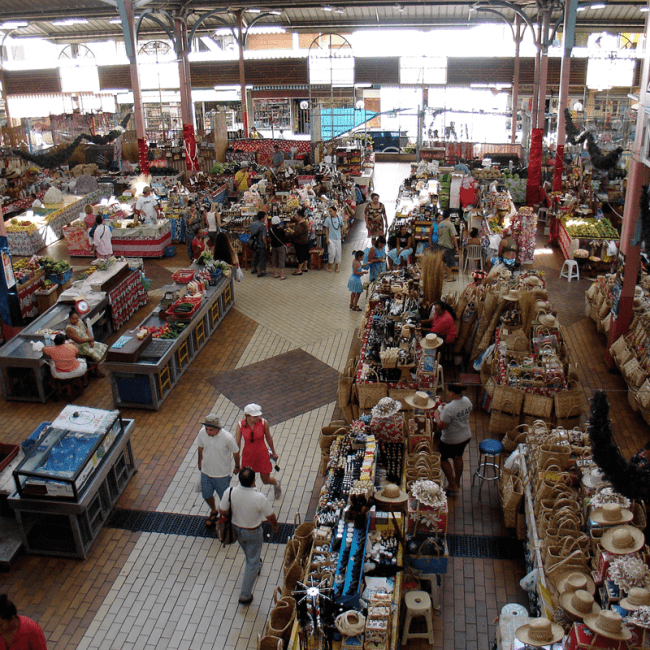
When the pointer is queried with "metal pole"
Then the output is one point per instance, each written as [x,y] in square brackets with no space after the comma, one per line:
[543,70]
[242,72]
[515,78]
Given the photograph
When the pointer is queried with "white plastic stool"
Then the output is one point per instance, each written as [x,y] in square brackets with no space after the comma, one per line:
[542,215]
[418,603]
[570,270]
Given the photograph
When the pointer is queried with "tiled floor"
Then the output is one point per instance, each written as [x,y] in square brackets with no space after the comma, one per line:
[286,341]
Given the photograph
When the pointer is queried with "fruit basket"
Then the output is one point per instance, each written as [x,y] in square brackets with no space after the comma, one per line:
[183,276]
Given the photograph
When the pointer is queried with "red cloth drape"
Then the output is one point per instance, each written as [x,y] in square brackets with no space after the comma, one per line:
[143,156]
[191,160]
[534,167]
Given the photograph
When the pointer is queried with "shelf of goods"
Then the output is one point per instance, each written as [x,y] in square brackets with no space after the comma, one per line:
[261,151]
[147,240]
[24,371]
[146,381]
[70,480]
[579,232]
[41,231]
[557,491]
[348,160]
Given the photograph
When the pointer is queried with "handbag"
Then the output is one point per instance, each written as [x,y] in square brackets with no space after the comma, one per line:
[225,531]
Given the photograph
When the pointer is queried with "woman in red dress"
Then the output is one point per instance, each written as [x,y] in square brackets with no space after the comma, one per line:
[256,434]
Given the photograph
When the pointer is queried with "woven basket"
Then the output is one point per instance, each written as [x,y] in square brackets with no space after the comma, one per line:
[640,518]
[572,420]
[539,406]
[501,422]
[631,398]
[371,392]
[269,643]
[509,400]
[566,400]
[511,497]
[514,437]
[645,413]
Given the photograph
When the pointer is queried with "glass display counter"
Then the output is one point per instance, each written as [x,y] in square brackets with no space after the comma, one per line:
[147,383]
[67,524]
[23,370]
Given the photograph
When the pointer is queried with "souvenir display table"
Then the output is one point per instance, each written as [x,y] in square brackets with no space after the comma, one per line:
[261,150]
[39,232]
[60,506]
[580,232]
[146,382]
[147,240]
[23,370]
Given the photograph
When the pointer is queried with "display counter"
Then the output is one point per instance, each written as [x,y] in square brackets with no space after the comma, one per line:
[569,245]
[35,232]
[23,371]
[148,240]
[147,383]
[65,527]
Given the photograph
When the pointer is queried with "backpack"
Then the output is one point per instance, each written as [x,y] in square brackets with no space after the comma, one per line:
[254,241]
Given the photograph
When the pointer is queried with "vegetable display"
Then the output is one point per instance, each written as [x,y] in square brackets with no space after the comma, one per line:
[589,228]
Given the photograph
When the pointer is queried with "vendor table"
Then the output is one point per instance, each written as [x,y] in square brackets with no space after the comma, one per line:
[149,240]
[126,298]
[22,370]
[147,383]
[569,245]
[63,528]
[45,230]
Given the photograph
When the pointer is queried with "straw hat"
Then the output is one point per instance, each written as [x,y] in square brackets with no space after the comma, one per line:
[534,281]
[548,320]
[622,540]
[540,632]
[420,400]
[578,603]
[386,407]
[611,514]
[636,597]
[391,497]
[608,623]
[431,341]
[212,421]
[572,582]
[512,295]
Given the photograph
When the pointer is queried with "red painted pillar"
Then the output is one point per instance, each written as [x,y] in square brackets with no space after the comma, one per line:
[189,136]
[242,72]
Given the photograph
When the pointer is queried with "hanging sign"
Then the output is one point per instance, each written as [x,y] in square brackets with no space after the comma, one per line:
[8,269]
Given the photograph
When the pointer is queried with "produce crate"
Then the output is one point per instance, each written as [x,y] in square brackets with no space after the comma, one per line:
[170,251]
[183,276]
[214,277]
[186,316]
[61,278]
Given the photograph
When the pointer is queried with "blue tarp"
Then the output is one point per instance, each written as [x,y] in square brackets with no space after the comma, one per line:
[334,122]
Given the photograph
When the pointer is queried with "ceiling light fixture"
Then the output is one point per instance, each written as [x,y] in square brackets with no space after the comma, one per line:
[644,9]
[582,8]
[115,21]
[326,8]
[275,12]
[339,10]
[399,7]
[14,24]
[598,5]
[69,21]
[253,11]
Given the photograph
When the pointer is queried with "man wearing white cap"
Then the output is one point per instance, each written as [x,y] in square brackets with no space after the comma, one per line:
[215,447]
[146,207]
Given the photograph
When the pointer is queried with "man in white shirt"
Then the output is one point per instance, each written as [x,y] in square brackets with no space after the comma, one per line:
[146,207]
[215,447]
[249,510]
[102,239]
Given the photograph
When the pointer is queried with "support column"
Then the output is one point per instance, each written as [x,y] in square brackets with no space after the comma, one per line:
[125,8]
[638,175]
[10,130]
[570,13]
[543,70]
[515,79]
[189,136]
[242,72]
[533,121]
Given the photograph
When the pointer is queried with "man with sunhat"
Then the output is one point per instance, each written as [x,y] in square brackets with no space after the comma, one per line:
[146,207]
[215,448]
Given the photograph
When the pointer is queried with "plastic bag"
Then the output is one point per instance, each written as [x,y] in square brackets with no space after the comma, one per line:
[529,581]
[239,274]
[514,460]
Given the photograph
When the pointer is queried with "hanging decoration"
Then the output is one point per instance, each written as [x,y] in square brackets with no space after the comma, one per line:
[110,136]
[598,159]
[627,478]
[534,167]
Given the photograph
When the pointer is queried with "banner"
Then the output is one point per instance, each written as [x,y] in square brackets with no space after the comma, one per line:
[534,167]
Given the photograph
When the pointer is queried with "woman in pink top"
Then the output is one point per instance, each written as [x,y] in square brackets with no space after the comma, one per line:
[256,434]
[64,355]
[18,632]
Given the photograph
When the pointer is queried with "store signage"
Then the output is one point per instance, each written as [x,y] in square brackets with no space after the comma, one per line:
[8,269]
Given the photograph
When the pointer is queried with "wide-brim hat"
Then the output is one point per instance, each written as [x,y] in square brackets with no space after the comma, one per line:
[540,632]
[622,540]
[548,320]
[386,407]
[611,514]
[574,581]
[579,603]
[420,400]
[608,623]
[636,597]
[391,498]
[431,341]
[512,295]
[534,281]
[212,421]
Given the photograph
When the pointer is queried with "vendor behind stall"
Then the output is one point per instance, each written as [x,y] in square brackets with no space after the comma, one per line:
[79,332]
[146,207]
[441,321]
[242,178]
[89,216]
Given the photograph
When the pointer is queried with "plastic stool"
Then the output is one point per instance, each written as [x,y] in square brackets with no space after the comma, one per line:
[489,467]
[570,270]
[440,377]
[542,215]
[418,603]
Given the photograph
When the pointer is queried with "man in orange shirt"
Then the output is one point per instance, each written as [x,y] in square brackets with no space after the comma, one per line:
[64,355]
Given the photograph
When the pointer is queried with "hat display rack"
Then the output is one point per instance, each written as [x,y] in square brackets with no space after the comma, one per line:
[587,534]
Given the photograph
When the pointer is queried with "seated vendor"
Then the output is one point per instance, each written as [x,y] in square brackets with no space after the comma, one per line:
[441,321]
[79,332]
[67,365]
[198,244]
[472,238]
[403,248]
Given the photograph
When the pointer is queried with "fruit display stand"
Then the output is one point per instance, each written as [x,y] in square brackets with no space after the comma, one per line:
[571,239]
[23,371]
[147,240]
[28,235]
[147,383]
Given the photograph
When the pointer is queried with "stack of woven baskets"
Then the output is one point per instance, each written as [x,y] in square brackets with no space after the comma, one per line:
[327,437]
[423,465]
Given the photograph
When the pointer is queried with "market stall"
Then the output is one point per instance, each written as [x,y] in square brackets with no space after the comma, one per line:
[143,371]
[70,479]
[580,232]
[147,240]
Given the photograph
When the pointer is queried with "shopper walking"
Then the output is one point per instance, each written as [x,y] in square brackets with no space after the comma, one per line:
[102,239]
[278,239]
[212,223]
[215,447]
[19,632]
[256,434]
[453,419]
[447,240]
[301,241]
[333,225]
[259,243]
[376,219]
[249,509]
[354,283]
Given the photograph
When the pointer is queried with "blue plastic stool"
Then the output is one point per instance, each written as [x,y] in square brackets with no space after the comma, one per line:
[489,467]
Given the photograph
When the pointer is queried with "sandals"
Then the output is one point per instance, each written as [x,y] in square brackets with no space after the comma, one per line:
[296,273]
[211,520]
[356,309]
